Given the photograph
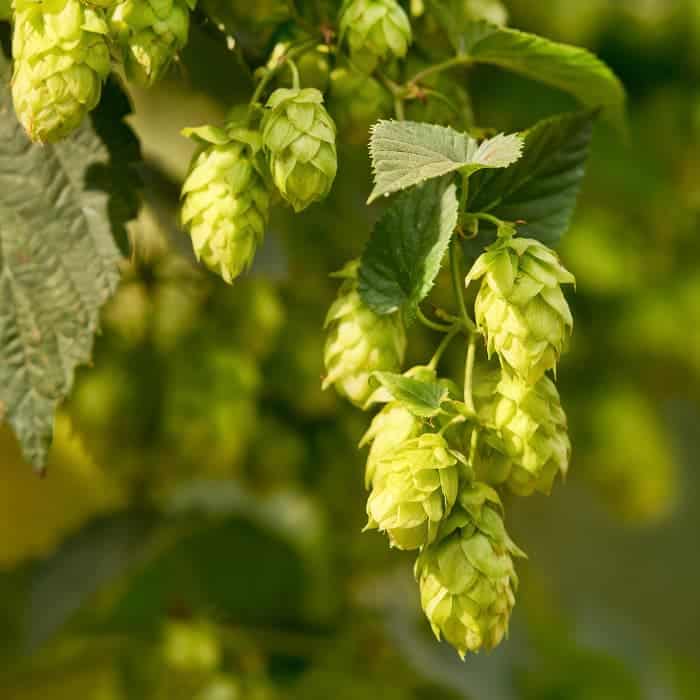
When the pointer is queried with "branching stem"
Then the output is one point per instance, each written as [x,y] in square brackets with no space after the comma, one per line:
[433,325]
[443,346]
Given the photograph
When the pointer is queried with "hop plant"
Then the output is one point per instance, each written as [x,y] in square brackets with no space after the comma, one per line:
[520,306]
[467,579]
[375,30]
[61,60]
[150,33]
[414,489]
[359,342]
[390,428]
[527,444]
[299,138]
[225,199]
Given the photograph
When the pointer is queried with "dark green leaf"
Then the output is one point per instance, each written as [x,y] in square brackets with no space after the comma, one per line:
[404,253]
[422,398]
[542,187]
[58,265]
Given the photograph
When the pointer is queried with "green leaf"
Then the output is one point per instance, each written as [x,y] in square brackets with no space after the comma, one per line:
[424,399]
[403,256]
[58,265]
[407,153]
[542,187]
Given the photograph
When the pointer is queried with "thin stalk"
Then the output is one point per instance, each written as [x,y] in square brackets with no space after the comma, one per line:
[439,67]
[433,325]
[473,445]
[443,346]
[296,80]
[469,373]
[458,285]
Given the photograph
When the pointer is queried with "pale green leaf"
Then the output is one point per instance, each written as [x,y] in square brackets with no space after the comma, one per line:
[405,251]
[407,153]
[423,398]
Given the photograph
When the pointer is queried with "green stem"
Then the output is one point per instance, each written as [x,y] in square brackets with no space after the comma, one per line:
[433,325]
[458,285]
[398,108]
[439,67]
[469,373]
[473,445]
[443,346]
[296,80]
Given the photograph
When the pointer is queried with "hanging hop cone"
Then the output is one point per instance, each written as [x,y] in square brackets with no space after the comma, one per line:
[150,33]
[526,443]
[225,199]
[375,30]
[467,579]
[414,489]
[359,342]
[520,306]
[299,139]
[390,428]
[61,60]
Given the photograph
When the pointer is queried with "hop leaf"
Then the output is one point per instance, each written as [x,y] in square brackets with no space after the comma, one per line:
[467,580]
[520,306]
[150,33]
[375,30]
[415,486]
[225,200]
[390,428]
[61,60]
[299,138]
[527,444]
[359,342]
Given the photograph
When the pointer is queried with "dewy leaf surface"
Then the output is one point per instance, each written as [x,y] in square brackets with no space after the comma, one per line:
[542,187]
[58,265]
[406,153]
[404,253]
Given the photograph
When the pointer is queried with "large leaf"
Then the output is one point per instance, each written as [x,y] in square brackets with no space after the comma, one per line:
[404,253]
[408,153]
[570,68]
[542,187]
[58,265]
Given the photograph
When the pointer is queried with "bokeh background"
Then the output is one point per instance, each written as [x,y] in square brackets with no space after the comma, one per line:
[198,532]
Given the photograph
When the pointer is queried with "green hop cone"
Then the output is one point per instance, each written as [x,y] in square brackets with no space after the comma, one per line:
[520,305]
[150,33]
[526,443]
[375,30]
[359,342]
[390,428]
[299,138]
[61,60]
[225,199]
[467,579]
[414,489]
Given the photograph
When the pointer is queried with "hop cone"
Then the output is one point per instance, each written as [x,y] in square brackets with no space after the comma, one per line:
[150,33]
[415,487]
[520,305]
[390,428]
[467,580]
[299,137]
[375,30]
[225,200]
[528,444]
[61,59]
[359,342]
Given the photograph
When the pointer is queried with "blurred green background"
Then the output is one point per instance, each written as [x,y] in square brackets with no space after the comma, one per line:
[198,534]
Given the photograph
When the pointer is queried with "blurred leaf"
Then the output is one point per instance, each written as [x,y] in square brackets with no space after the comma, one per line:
[5,10]
[405,251]
[58,267]
[542,187]
[422,398]
[408,153]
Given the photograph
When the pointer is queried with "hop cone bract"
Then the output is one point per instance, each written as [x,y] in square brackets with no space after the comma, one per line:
[375,30]
[61,59]
[150,33]
[299,137]
[225,200]
[467,579]
[359,342]
[390,428]
[527,444]
[520,306]
[414,489]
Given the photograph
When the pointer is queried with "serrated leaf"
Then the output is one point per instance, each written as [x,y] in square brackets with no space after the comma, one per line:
[406,153]
[58,265]
[403,256]
[423,398]
[542,187]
